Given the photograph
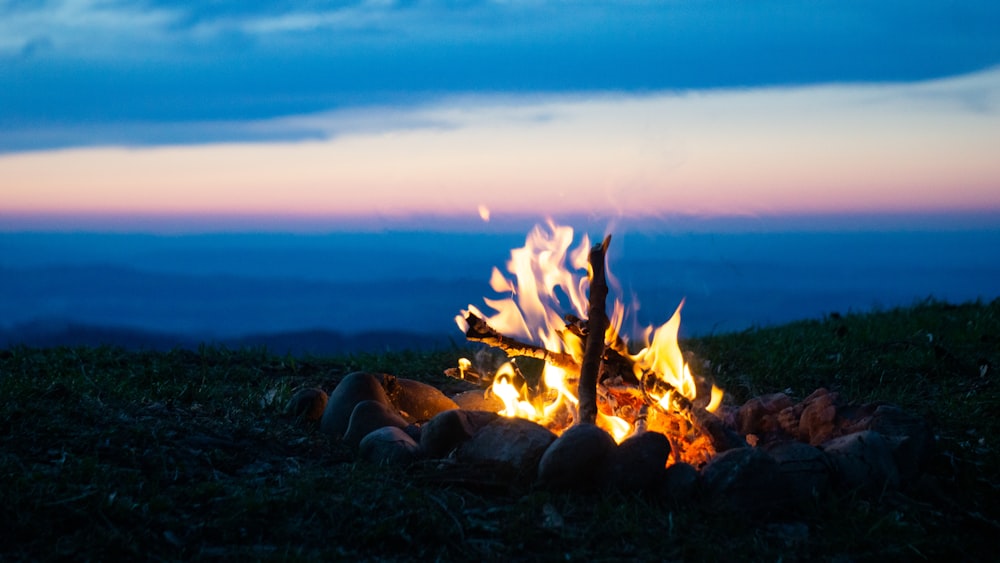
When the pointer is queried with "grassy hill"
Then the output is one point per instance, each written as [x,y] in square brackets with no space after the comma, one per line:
[185,455]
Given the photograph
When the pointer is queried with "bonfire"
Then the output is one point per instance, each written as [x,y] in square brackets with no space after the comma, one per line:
[554,309]
[609,408]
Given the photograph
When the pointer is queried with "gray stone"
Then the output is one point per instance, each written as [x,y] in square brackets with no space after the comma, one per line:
[449,429]
[638,463]
[910,437]
[513,442]
[369,416]
[680,483]
[352,389]
[863,462]
[307,404]
[577,459]
[743,481]
[388,446]
[804,469]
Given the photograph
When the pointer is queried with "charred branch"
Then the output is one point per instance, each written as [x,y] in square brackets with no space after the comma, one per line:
[480,331]
[597,325]
[678,403]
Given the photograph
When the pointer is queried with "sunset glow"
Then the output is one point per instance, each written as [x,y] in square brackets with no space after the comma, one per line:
[822,149]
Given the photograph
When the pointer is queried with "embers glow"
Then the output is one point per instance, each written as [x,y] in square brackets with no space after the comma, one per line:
[545,297]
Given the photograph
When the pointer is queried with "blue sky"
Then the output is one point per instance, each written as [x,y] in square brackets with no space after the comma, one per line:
[82,72]
[181,84]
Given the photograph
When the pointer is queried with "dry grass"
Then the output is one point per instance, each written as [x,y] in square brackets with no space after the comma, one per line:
[186,455]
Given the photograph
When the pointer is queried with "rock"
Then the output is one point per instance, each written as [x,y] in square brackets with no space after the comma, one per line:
[804,469]
[680,483]
[449,429]
[513,442]
[760,414]
[353,388]
[478,400]
[413,431]
[722,437]
[638,463]
[743,481]
[818,421]
[388,445]
[862,461]
[910,437]
[415,400]
[576,460]
[307,404]
[369,416]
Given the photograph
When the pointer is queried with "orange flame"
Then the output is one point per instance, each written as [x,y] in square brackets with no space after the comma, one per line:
[550,281]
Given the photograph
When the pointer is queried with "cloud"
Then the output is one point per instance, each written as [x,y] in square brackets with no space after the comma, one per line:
[815,149]
[81,27]
[174,67]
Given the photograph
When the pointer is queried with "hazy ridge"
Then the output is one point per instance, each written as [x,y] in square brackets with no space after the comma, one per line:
[326,293]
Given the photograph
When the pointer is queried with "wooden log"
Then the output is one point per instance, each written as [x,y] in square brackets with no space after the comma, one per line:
[480,331]
[597,325]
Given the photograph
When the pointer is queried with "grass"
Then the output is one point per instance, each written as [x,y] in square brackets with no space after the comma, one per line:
[186,455]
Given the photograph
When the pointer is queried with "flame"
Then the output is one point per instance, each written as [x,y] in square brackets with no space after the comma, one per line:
[618,427]
[547,284]
[514,403]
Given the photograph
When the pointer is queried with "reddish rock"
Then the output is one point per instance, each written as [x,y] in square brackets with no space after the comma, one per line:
[416,401]
[818,421]
[760,415]
[478,400]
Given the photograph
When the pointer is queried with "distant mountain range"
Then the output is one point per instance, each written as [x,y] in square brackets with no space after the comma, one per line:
[298,343]
[342,293]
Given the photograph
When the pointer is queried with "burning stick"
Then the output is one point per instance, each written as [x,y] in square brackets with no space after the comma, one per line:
[597,325]
[480,331]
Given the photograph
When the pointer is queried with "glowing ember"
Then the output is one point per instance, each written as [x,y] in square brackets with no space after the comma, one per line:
[540,316]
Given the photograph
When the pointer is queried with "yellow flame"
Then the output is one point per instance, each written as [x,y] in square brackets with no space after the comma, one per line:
[545,281]
[484,213]
[618,427]
[664,358]
[716,401]
[514,404]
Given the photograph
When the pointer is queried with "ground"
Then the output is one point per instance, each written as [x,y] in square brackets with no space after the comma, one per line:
[187,455]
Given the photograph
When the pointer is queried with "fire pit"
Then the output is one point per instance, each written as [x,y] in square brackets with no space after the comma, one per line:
[568,399]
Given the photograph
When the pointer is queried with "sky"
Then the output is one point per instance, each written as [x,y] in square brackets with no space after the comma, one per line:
[205,115]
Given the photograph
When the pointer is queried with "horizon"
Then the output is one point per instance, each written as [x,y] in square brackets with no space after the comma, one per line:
[319,225]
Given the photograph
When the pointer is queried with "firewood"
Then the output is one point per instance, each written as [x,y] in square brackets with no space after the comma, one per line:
[480,331]
[597,325]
